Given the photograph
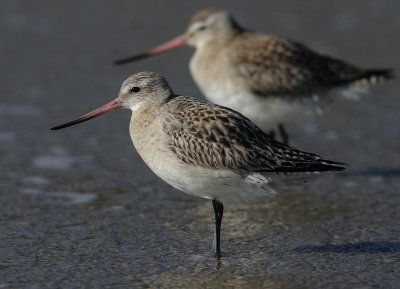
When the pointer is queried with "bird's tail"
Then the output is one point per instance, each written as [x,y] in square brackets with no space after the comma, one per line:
[340,73]
[373,76]
[355,81]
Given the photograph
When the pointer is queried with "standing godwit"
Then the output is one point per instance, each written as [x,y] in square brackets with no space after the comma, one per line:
[203,149]
[267,78]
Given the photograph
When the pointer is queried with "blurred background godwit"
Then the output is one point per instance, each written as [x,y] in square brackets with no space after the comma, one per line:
[271,80]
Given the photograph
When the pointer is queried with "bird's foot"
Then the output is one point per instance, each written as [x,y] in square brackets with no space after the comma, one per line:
[283,134]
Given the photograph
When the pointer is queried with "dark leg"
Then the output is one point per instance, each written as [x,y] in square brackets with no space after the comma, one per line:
[218,211]
[272,134]
[283,134]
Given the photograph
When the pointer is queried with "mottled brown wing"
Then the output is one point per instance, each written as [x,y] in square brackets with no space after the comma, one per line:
[275,66]
[212,136]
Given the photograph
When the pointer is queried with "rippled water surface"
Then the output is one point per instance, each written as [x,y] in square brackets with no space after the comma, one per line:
[79,208]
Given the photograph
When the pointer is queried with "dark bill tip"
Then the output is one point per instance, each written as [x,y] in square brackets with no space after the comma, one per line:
[131,59]
[172,44]
[112,105]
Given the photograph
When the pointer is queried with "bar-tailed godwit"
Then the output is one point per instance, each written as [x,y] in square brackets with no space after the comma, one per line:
[203,149]
[269,79]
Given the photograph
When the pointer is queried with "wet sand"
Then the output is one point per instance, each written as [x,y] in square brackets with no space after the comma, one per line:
[79,208]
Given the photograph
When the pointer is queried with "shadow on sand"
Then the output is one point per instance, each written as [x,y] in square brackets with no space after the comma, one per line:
[363,247]
[372,172]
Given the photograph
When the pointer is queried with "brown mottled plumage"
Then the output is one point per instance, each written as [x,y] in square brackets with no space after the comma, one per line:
[204,149]
[275,66]
[212,136]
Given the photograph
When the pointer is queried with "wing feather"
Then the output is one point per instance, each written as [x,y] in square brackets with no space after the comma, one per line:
[216,137]
[273,66]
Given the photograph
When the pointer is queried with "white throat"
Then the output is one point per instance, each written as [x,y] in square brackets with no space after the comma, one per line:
[135,107]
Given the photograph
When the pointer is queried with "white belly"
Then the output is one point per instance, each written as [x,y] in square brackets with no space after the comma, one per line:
[223,184]
[265,112]
[224,88]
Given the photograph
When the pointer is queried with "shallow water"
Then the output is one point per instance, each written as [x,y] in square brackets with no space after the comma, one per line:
[78,207]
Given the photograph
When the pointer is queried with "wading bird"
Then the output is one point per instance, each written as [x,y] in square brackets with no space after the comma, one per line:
[203,149]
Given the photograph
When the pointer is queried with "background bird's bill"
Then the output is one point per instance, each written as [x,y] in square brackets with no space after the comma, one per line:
[172,44]
[112,105]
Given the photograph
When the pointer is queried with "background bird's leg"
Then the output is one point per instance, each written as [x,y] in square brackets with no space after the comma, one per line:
[218,211]
[283,134]
[272,134]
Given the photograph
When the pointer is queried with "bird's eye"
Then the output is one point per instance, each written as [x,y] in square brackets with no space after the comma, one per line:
[202,28]
[135,89]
